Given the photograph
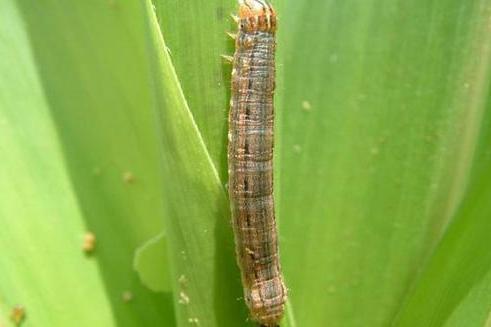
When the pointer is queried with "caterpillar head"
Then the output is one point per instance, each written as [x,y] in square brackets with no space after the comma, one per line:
[256,15]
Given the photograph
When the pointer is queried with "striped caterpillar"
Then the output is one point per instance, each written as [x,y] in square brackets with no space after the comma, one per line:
[250,162]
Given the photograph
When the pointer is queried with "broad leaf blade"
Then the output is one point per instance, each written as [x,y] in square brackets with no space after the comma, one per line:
[42,264]
[195,34]
[197,211]
[458,268]
[379,110]
[90,63]
[453,289]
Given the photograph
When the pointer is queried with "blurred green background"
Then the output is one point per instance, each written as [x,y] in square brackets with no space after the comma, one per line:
[113,120]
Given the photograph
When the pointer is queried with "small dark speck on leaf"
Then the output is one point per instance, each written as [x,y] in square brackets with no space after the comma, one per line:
[89,242]
[18,314]
[128,177]
[127,296]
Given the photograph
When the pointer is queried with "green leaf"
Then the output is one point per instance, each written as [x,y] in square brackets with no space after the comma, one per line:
[195,34]
[455,283]
[374,166]
[80,154]
[42,264]
[458,272]
[474,307]
[152,264]
[197,213]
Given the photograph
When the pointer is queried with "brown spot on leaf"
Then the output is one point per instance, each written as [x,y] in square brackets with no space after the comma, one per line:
[18,314]
[89,242]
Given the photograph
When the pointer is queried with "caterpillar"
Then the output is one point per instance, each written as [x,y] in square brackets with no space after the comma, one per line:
[250,162]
